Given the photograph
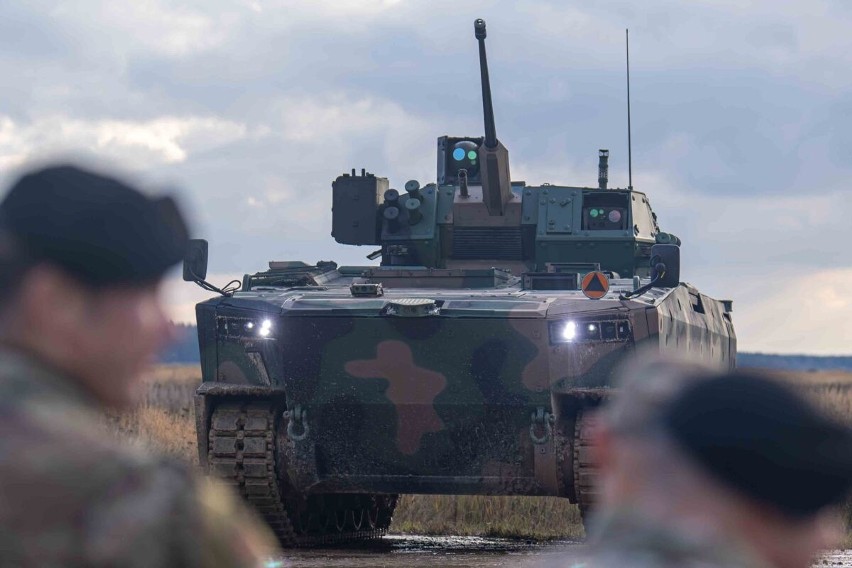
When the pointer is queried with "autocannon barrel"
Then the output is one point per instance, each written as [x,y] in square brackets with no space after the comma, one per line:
[493,156]
[490,127]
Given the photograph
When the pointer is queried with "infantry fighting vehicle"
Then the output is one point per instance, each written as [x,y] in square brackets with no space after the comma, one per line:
[463,364]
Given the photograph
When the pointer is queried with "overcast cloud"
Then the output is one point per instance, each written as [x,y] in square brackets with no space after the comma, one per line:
[742,122]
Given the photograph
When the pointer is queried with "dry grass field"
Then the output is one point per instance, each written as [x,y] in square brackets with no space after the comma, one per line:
[538,518]
[832,390]
[165,422]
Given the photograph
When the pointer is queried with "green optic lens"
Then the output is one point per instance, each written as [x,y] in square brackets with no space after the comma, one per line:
[471,155]
[593,212]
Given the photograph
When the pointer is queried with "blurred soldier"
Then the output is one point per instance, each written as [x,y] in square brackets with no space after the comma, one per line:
[702,469]
[81,259]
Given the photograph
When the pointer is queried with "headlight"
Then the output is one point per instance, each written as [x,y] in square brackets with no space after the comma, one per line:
[265,328]
[569,331]
[576,331]
[245,328]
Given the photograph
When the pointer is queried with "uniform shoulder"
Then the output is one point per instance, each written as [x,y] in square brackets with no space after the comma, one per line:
[63,441]
[118,504]
[171,516]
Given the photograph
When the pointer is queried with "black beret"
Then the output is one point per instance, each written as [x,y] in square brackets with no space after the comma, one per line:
[97,228]
[760,437]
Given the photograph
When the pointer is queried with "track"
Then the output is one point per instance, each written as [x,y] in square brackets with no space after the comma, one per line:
[585,472]
[242,453]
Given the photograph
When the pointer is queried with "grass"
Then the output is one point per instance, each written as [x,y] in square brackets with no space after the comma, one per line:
[831,390]
[165,422]
[167,432]
[538,518]
[181,374]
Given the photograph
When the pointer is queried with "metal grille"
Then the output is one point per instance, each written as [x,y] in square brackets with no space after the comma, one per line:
[499,243]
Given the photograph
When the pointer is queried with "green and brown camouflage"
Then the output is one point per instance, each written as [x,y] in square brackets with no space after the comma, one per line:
[73,496]
[463,362]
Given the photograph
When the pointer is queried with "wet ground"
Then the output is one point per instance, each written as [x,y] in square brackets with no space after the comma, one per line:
[464,552]
[835,558]
[407,551]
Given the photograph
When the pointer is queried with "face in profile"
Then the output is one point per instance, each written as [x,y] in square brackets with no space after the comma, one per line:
[123,330]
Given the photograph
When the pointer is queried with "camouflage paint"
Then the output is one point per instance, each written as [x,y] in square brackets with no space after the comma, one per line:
[411,389]
[443,403]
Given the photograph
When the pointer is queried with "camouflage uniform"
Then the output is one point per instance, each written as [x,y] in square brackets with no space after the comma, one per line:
[72,496]
[629,540]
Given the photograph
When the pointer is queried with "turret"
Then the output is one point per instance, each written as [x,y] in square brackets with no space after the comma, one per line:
[493,156]
[475,218]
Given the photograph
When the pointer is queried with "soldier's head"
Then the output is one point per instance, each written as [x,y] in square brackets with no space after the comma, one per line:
[81,260]
[740,454]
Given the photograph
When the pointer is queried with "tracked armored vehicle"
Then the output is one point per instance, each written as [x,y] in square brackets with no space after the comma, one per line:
[464,363]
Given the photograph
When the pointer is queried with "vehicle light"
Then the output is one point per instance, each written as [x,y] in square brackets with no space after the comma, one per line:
[242,327]
[265,328]
[572,331]
[591,332]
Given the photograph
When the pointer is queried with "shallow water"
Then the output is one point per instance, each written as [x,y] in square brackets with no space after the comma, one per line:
[419,551]
[406,551]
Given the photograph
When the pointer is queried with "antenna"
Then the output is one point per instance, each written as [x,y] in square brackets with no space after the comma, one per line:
[629,144]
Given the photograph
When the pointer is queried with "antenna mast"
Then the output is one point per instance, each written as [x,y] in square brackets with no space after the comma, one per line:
[629,142]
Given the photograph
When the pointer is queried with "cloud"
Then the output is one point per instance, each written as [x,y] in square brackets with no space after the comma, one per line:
[133,143]
[755,233]
[171,29]
[789,311]
[741,120]
[325,126]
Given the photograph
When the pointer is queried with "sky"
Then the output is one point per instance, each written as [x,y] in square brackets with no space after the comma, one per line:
[248,109]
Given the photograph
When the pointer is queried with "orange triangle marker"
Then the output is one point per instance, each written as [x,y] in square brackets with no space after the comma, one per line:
[595,285]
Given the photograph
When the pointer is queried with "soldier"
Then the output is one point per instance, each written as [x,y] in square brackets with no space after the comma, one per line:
[704,469]
[81,259]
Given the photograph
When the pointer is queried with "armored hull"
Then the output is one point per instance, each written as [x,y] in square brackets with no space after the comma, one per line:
[434,390]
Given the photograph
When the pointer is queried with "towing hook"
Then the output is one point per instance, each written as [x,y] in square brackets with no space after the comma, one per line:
[294,417]
[545,420]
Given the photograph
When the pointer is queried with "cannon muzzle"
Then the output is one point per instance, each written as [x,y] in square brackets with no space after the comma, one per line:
[479,28]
